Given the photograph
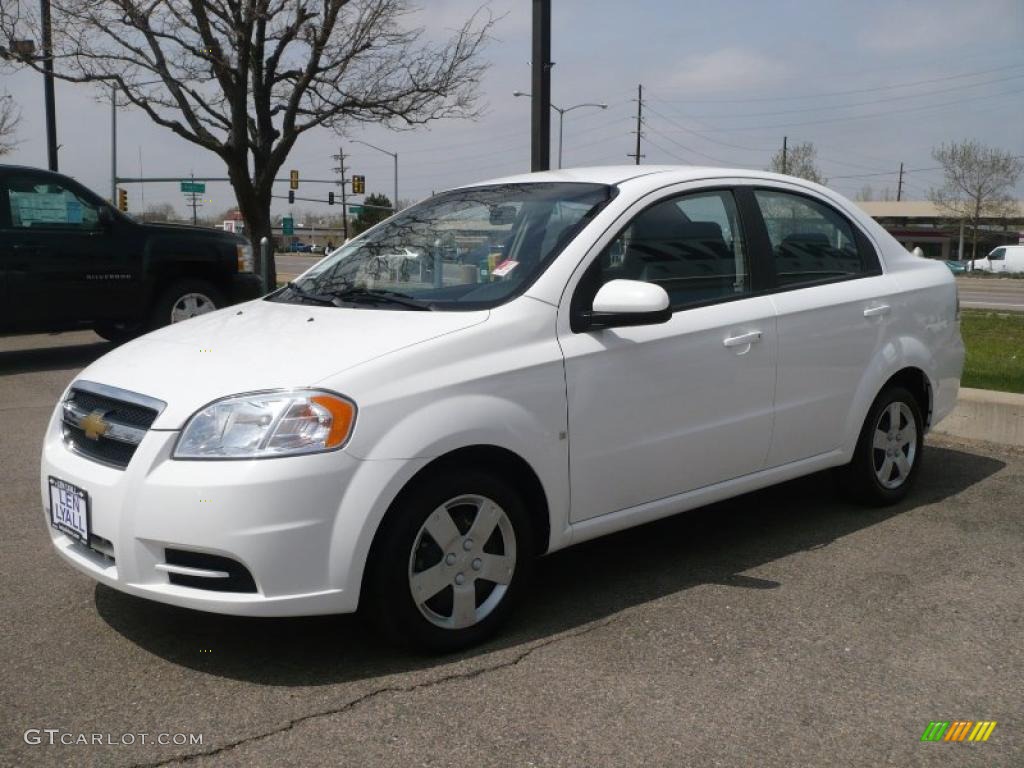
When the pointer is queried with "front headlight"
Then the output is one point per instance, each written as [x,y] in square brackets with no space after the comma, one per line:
[244,256]
[264,424]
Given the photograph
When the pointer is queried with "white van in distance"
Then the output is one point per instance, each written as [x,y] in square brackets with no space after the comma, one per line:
[1005,258]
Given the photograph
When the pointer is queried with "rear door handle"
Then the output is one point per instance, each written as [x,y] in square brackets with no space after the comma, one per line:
[881,309]
[743,340]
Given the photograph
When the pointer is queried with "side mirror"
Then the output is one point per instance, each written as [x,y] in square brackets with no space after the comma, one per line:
[629,302]
[105,215]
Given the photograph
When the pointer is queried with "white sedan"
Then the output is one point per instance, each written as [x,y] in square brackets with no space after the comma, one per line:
[616,345]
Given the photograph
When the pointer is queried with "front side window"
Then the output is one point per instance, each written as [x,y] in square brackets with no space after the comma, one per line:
[810,241]
[999,254]
[692,246]
[39,204]
[465,249]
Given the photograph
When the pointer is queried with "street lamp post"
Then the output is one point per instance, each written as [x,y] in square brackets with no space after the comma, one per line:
[561,116]
[48,97]
[394,156]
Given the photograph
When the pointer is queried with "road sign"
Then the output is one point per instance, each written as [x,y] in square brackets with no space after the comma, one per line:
[293,179]
[194,187]
[355,210]
[288,225]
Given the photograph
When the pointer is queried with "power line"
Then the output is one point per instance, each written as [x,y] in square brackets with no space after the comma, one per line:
[893,86]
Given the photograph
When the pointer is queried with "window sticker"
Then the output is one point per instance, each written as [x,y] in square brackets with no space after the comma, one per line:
[74,212]
[504,268]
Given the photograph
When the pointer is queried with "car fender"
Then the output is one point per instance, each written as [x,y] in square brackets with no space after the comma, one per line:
[898,353]
[429,432]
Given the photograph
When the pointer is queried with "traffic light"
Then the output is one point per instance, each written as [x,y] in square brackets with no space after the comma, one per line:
[293,179]
[291,197]
[358,185]
[330,198]
[122,200]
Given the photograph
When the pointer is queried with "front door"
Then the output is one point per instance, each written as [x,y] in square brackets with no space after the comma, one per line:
[663,409]
[63,266]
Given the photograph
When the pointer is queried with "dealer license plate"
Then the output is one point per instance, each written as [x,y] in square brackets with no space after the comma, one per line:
[69,509]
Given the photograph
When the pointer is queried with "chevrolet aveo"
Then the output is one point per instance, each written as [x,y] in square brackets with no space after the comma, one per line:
[498,372]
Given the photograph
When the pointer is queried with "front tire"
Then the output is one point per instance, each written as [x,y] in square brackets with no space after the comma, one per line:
[889,451]
[184,299]
[451,560]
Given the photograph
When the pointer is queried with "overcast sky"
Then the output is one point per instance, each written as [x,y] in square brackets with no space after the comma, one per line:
[871,83]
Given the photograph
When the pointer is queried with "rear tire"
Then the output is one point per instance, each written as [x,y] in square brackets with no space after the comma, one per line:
[186,298]
[450,561]
[887,459]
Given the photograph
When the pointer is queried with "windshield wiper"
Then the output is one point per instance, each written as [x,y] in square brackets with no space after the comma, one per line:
[377,294]
[319,298]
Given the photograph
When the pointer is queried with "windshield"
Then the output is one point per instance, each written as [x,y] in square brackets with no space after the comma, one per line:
[466,249]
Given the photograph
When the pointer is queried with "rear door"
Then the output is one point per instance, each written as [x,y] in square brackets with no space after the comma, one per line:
[833,306]
[64,266]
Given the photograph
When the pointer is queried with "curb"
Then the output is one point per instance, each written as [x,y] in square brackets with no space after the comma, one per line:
[982,414]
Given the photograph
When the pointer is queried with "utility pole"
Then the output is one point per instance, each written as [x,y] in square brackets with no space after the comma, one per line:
[51,109]
[194,201]
[639,122]
[113,145]
[540,115]
[784,148]
[342,182]
[899,186]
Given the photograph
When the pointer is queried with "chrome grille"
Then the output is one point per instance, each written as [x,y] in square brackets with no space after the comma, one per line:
[106,424]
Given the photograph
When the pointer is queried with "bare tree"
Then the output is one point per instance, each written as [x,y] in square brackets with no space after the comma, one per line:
[10,116]
[866,194]
[978,183]
[245,79]
[159,212]
[801,161]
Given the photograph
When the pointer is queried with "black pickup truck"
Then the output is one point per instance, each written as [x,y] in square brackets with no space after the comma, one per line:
[68,260]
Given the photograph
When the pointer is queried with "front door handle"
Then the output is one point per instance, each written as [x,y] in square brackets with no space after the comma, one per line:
[743,340]
[881,309]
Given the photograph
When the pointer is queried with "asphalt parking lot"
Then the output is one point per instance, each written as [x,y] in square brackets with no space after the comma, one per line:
[784,628]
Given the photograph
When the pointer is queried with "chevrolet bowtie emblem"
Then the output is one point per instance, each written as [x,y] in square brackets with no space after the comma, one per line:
[94,426]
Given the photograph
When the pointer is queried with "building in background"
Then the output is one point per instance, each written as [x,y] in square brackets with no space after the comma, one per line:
[920,224]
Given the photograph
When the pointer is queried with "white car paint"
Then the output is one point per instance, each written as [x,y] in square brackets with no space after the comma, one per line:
[620,426]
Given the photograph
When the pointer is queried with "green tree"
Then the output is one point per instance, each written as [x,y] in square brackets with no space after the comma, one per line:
[370,216]
[801,160]
[978,183]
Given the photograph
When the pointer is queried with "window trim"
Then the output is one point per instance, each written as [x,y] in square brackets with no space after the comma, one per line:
[577,317]
[872,265]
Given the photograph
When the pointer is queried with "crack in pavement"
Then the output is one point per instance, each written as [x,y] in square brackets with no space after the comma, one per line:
[350,705]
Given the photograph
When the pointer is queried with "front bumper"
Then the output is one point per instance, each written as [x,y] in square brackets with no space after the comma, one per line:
[283,519]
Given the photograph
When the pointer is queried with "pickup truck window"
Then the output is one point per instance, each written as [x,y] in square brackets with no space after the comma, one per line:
[44,204]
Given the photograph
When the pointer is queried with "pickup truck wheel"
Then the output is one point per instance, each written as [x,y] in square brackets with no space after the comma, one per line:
[887,459]
[184,299]
[454,554]
[119,332]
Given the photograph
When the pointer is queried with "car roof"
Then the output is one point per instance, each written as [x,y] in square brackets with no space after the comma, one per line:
[618,174]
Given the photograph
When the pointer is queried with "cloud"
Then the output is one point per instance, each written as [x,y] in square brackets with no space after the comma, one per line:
[913,24]
[727,69]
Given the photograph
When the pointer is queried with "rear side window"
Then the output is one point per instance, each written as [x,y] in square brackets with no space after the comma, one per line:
[810,241]
[692,246]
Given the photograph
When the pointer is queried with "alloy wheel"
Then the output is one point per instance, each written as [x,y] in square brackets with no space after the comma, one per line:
[894,445]
[462,561]
[191,305]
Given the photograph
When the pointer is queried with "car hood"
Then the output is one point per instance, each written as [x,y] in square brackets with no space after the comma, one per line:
[261,345]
